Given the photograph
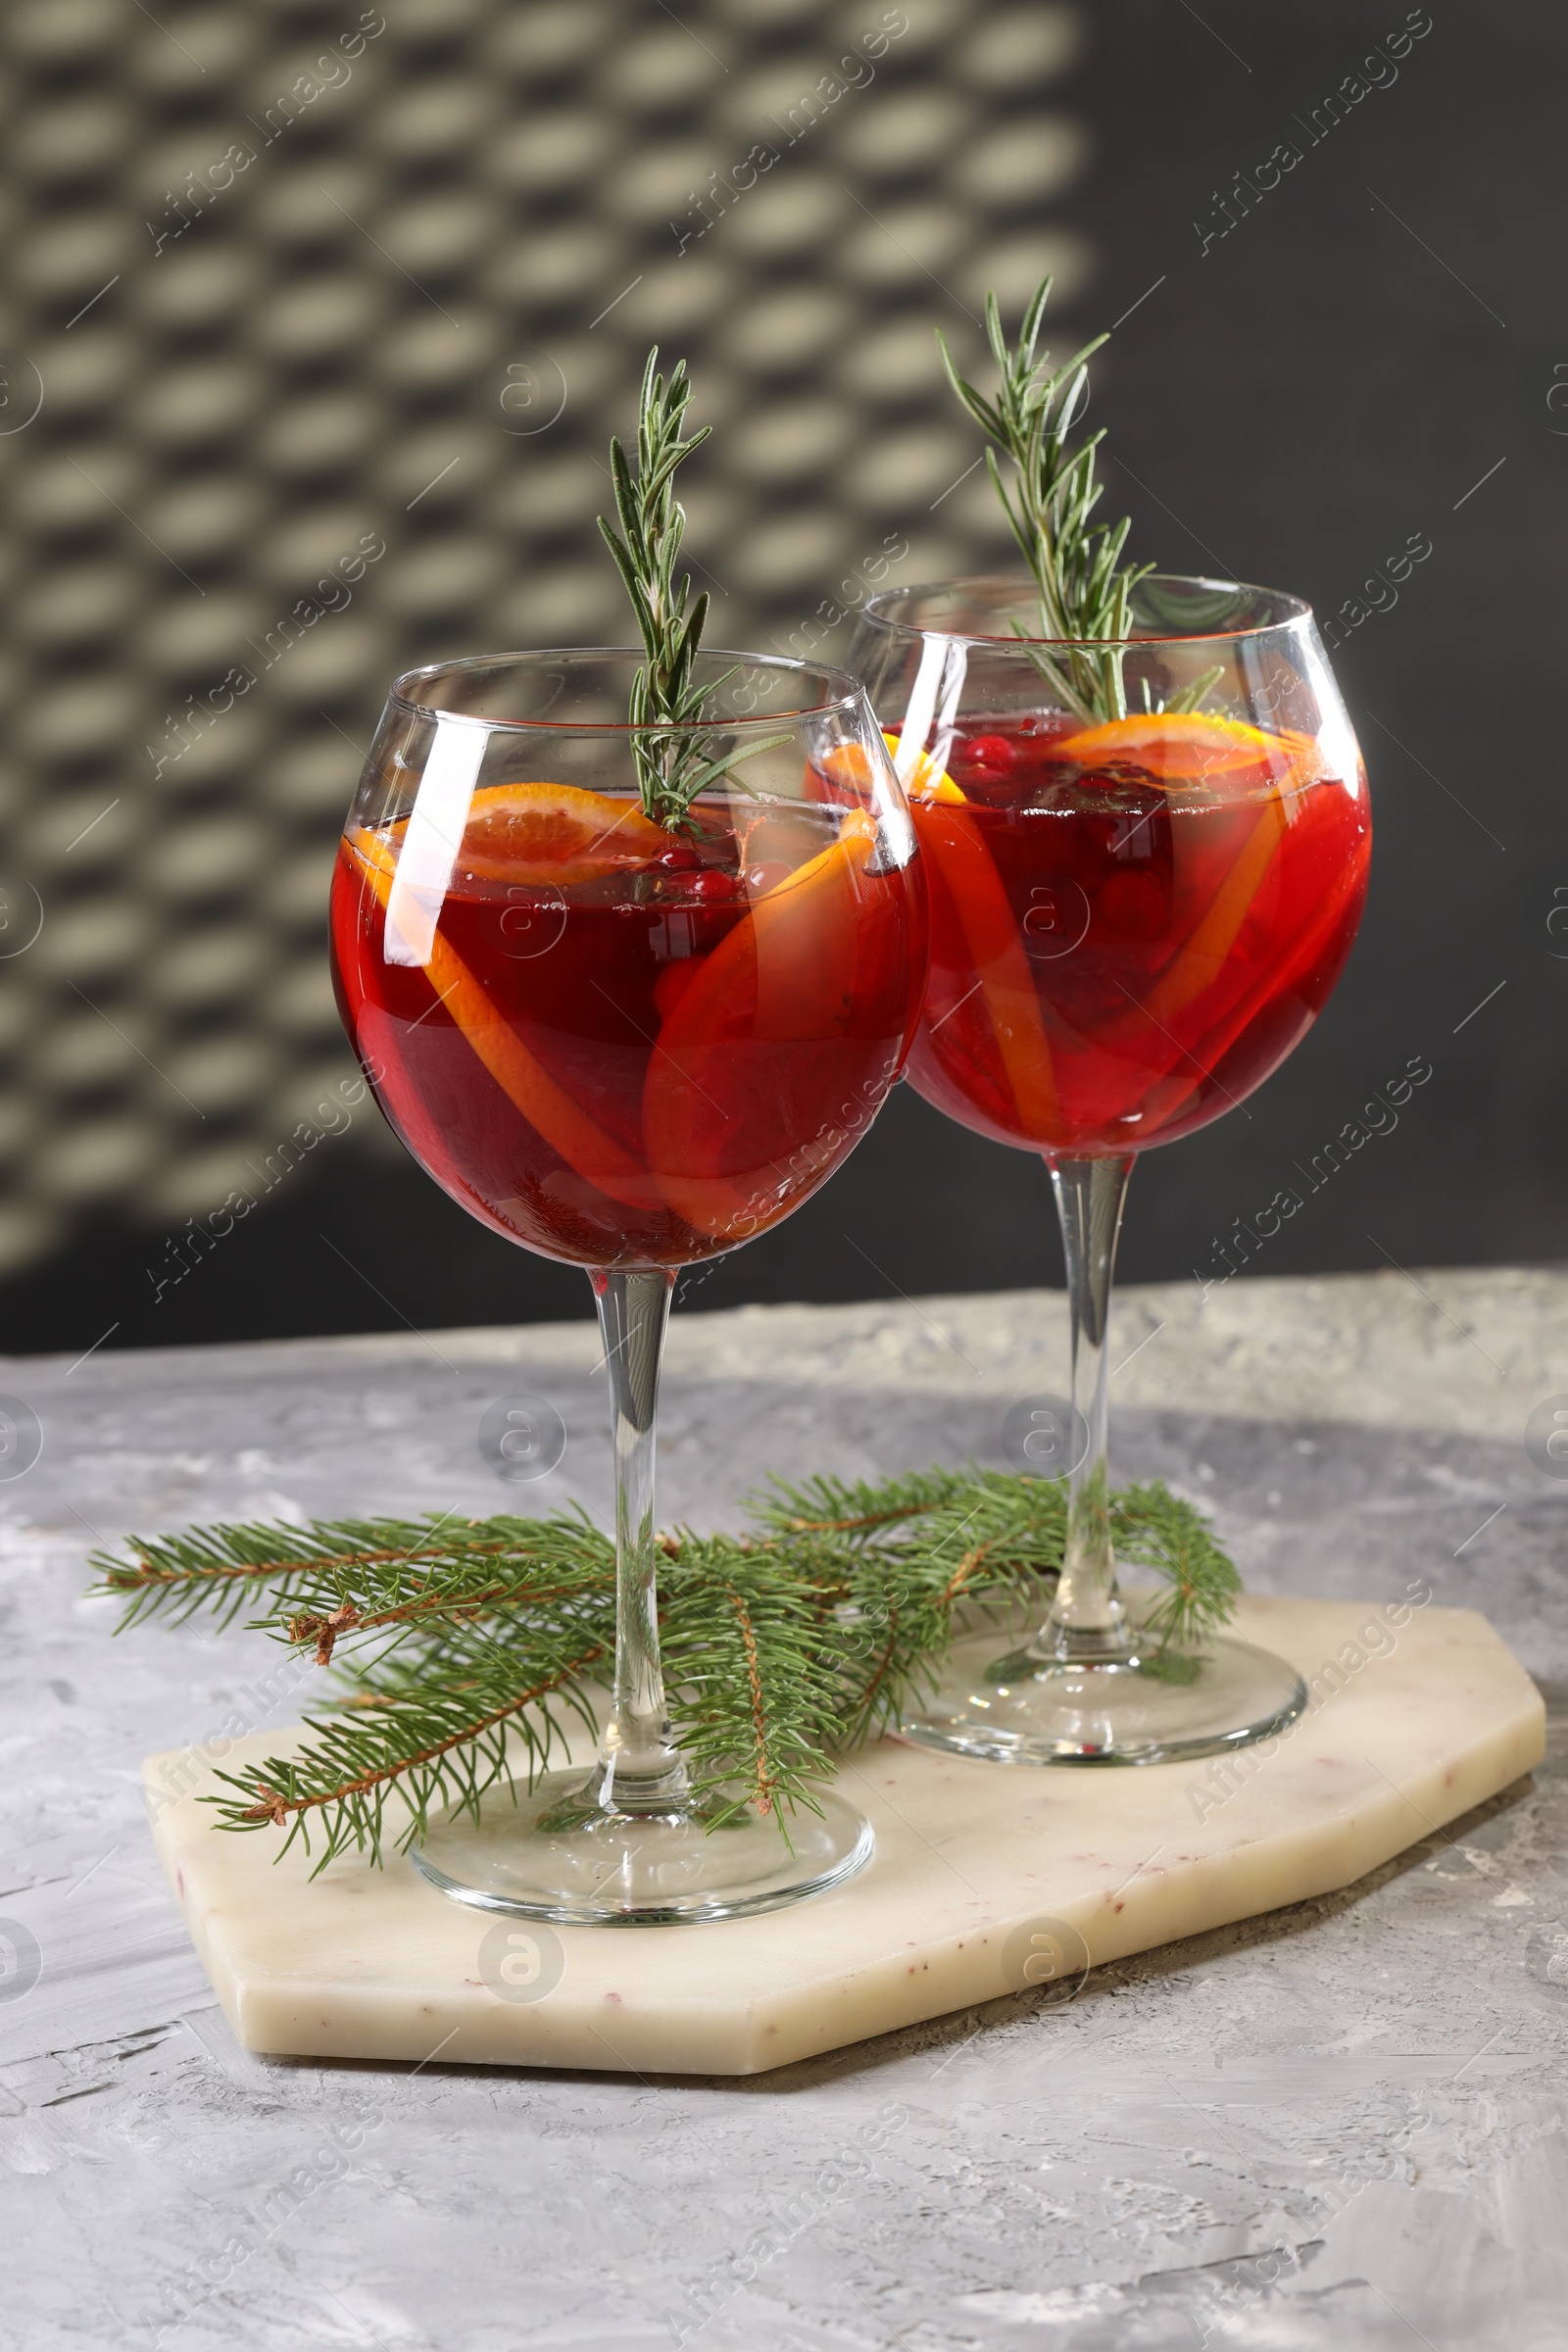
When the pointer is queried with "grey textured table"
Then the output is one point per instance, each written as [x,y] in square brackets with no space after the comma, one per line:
[1341,2124]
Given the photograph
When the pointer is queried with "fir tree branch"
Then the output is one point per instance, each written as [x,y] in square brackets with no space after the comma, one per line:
[215,1568]
[830,1506]
[1157,1529]
[444,1742]
[373,1563]
[462,1648]
[754,1690]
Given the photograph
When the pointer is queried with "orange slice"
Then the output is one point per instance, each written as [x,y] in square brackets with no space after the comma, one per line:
[927,781]
[1183,746]
[581,1140]
[1202,959]
[721,1127]
[1349,885]
[544,833]
[847,765]
[954,842]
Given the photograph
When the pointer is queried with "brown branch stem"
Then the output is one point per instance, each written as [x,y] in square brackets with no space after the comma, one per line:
[844,1526]
[762,1783]
[961,1576]
[274,1807]
[347,1618]
[880,1677]
[133,1580]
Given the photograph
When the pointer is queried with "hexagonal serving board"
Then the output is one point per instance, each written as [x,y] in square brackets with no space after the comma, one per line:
[985,1878]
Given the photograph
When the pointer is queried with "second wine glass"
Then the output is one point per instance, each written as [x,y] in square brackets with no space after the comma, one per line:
[1134,919]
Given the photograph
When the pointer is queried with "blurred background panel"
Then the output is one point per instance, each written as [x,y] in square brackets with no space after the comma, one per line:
[316,323]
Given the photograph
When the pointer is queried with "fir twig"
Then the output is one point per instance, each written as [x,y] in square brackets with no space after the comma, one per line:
[217,1568]
[376,1563]
[462,1648]
[754,1689]
[437,1741]
[1157,1529]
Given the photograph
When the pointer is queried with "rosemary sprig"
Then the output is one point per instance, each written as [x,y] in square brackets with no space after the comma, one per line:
[457,1643]
[1082,587]
[671,768]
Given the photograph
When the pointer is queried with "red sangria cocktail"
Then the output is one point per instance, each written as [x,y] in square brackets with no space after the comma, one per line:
[630,1044]
[622,1048]
[1134,919]
[1132,924]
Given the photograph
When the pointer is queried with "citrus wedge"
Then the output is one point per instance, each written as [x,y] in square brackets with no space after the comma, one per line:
[927,781]
[1346,889]
[1183,747]
[954,842]
[847,765]
[544,833]
[1202,959]
[742,1073]
[1273,987]
[569,1130]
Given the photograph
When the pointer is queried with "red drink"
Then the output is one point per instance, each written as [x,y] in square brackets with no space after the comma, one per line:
[620,1046]
[1131,926]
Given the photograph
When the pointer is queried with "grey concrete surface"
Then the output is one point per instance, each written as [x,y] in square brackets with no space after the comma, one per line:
[1341,2124]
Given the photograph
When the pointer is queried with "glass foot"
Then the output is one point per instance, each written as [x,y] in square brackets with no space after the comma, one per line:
[558,1853]
[1020,1709]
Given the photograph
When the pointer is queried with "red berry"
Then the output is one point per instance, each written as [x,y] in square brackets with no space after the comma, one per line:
[679,859]
[992,754]
[713,883]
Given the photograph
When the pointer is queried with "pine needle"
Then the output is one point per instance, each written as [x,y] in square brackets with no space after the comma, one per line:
[462,1649]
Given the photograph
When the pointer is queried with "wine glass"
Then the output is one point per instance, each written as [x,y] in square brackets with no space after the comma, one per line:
[631,1047]
[1133,922]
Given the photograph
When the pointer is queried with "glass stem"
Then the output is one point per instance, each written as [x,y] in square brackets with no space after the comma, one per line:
[640,1764]
[1088,1621]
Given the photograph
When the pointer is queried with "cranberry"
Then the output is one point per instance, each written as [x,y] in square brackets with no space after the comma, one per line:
[990,755]
[715,882]
[767,876]
[679,859]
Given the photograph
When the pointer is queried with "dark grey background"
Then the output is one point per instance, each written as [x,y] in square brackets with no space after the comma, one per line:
[316,357]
